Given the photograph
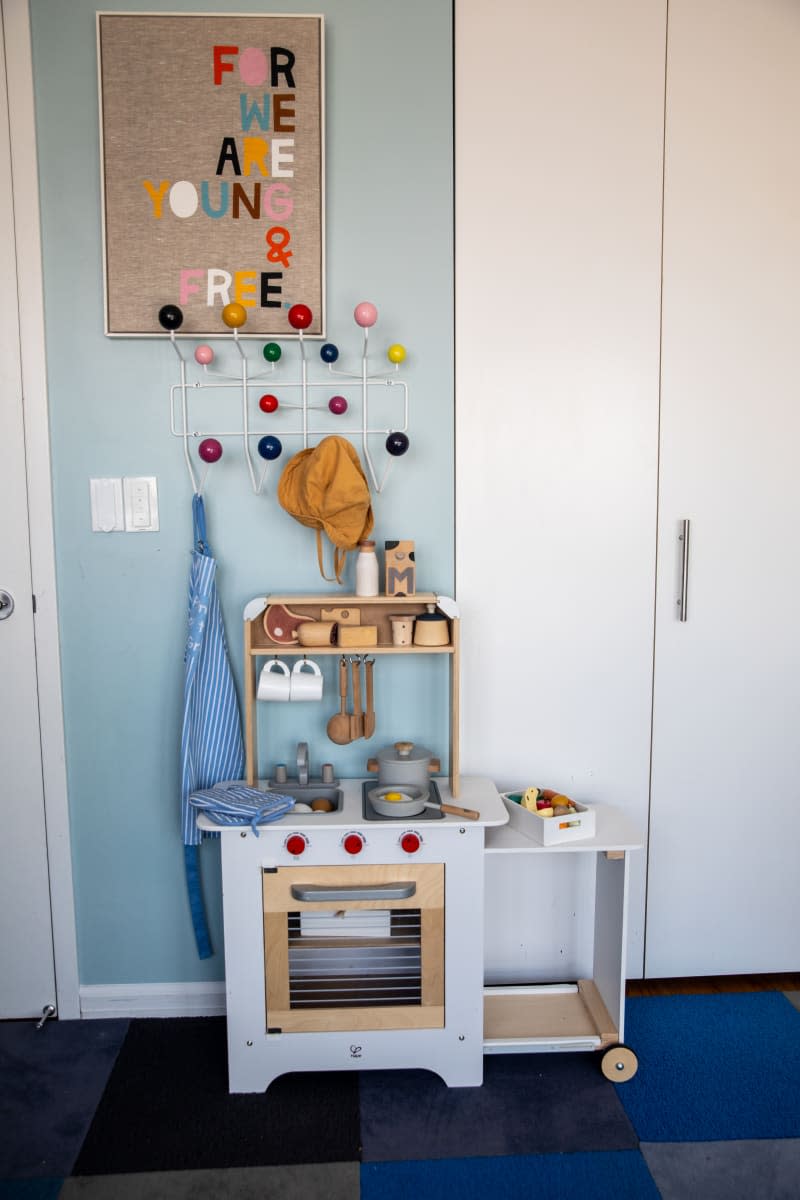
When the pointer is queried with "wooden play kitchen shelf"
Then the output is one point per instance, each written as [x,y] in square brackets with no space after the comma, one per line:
[374,611]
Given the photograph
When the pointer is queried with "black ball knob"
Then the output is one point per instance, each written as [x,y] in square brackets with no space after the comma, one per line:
[170,317]
[397,444]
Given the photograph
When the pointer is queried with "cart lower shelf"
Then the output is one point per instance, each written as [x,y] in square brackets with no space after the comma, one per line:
[537,1018]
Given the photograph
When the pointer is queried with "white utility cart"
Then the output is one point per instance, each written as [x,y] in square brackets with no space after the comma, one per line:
[589,1013]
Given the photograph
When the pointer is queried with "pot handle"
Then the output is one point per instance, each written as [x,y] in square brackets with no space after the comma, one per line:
[372,765]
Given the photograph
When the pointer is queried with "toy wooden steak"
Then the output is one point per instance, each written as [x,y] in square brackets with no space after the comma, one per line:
[280,624]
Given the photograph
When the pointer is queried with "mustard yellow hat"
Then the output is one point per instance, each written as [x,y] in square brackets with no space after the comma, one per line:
[324,487]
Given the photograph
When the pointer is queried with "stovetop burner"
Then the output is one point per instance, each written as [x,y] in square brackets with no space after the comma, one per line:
[427,814]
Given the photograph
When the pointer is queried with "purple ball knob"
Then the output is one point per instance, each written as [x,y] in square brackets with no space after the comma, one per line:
[337,405]
[210,450]
[170,317]
[397,444]
[270,447]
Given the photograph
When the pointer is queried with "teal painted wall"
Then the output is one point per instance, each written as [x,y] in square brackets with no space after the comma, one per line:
[122,597]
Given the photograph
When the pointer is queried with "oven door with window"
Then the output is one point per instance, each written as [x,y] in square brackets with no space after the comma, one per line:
[350,948]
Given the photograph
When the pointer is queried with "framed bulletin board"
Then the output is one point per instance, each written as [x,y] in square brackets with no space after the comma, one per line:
[212,151]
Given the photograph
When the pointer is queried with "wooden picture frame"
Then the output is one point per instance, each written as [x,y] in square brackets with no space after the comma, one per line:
[212,164]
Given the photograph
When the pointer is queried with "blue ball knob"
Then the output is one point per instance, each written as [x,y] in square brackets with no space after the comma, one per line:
[270,447]
[329,353]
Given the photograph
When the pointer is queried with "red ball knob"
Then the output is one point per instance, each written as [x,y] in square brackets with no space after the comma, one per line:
[300,316]
[268,403]
[411,842]
[353,843]
[296,843]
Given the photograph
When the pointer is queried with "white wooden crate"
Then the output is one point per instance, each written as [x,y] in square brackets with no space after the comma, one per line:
[550,831]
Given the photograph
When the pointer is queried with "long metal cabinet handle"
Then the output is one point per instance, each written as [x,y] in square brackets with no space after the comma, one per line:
[358,891]
[683,601]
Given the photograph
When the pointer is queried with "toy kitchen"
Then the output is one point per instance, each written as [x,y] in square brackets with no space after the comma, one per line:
[355,923]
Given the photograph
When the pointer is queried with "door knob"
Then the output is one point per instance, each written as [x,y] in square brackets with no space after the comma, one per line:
[6,605]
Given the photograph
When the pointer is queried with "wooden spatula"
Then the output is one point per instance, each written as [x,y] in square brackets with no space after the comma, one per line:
[356,719]
[369,714]
[339,724]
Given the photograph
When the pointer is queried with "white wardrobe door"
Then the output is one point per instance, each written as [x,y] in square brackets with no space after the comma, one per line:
[724,873]
[559,126]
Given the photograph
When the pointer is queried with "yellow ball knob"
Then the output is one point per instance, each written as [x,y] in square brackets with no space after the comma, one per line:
[234,315]
[396,353]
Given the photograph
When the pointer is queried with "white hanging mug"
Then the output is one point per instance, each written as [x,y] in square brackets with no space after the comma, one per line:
[274,682]
[306,683]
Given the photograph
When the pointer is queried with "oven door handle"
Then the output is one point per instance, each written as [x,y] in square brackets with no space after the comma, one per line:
[359,891]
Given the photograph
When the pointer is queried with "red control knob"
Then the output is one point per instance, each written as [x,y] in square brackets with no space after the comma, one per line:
[411,842]
[296,843]
[353,843]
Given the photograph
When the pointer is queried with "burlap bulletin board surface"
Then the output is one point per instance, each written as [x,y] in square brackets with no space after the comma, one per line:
[212,150]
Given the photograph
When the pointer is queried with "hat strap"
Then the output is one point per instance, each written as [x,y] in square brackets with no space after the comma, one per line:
[339,559]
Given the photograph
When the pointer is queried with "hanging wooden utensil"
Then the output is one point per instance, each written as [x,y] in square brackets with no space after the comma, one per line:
[339,725]
[357,719]
[369,714]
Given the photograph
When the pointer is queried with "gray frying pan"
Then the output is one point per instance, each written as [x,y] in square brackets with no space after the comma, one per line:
[409,802]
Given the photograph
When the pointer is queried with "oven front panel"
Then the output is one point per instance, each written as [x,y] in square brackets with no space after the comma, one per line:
[354,947]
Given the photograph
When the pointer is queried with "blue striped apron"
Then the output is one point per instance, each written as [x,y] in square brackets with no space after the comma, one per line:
[211,737]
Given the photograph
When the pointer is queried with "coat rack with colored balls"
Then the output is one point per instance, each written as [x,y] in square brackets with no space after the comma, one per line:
[286,409]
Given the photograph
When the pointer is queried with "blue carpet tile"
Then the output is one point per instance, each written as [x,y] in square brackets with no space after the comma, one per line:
[30,1189]
[713,1068]
[616,1175]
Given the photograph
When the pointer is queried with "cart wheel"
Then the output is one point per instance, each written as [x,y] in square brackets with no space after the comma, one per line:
[619,1064]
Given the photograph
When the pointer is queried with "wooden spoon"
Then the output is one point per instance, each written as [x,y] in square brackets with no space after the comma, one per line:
[339,729]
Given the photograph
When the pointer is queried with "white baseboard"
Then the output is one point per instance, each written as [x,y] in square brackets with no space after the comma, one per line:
[152,1000]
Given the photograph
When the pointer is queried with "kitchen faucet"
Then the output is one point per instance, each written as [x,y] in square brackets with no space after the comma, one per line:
[302,763]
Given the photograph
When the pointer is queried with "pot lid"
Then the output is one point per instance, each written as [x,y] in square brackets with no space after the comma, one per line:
[404,752]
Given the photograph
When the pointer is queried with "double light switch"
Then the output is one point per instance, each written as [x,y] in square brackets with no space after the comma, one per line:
[129,504]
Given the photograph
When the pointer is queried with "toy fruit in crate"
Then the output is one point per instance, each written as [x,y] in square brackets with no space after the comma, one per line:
[549,817]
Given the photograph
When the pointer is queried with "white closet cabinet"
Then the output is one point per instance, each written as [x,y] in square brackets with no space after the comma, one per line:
[724,869]
[559,138]
[603,396]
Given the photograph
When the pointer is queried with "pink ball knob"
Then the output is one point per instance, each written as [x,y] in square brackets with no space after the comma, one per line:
[365,314]
[337,405]
[204,355]
[300,316]
[210,450]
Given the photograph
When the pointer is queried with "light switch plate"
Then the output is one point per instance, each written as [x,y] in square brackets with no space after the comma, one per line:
[141,503]
[108,515]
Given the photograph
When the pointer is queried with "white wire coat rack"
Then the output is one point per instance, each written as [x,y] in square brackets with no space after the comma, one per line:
[262,424]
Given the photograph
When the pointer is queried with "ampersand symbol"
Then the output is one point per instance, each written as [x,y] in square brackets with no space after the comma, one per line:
[277,239]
